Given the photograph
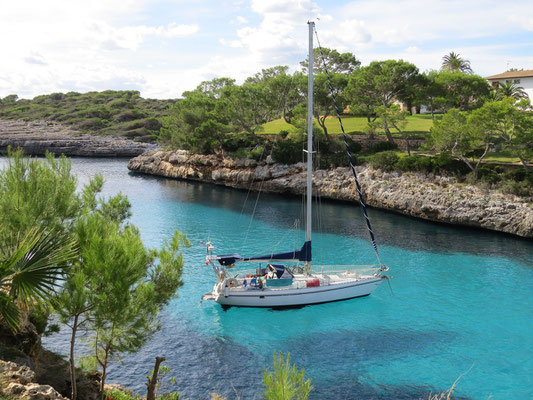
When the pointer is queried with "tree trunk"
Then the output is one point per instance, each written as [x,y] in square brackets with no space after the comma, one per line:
[104,369]
[389,134]
[524,162]
[322,123]
[152,382]
[287,116]
[73,384]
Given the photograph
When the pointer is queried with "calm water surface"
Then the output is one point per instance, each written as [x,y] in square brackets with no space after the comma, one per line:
[461,300]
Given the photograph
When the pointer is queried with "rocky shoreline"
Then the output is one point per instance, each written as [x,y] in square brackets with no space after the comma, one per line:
[38,137]
[433,198]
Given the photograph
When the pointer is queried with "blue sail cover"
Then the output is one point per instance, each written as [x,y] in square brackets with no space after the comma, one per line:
[304,254]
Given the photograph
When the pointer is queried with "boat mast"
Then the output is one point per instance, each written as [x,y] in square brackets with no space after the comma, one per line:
[309,151]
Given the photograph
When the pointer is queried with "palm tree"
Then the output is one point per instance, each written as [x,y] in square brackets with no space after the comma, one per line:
[453,62]
[29,271]
[510,89]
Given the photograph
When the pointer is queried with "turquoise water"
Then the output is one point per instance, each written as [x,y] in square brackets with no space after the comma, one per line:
[460,301]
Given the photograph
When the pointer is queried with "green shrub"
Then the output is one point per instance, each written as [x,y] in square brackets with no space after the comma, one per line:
[517,188]
[385,160]
[257,153]
[118,395]
[415,163]
[152,124]
[283,134]
[445,162]
[488,175]
[95,112]
[382,146]
[119,103]
[289,151]
[518,175]
[129,115]
[286,382]
[90,124]
[236,141]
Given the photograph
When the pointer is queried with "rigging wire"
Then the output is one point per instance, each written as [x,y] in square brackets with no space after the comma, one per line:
[352,165]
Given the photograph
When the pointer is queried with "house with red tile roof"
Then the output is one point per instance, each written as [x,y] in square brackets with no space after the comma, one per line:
[523,78]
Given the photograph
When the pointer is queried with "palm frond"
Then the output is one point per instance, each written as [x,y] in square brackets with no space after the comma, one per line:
[36,264]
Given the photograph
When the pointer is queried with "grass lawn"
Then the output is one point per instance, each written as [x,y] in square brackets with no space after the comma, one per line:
[501,156]
[415,124]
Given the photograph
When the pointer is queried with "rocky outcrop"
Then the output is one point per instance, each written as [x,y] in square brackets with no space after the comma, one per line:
[433,198]
[38,137]
[18,382]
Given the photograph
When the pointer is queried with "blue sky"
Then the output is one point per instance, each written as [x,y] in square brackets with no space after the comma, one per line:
[165,47]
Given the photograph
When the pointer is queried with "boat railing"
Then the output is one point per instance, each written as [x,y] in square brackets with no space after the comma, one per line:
[355,269]
[316,269]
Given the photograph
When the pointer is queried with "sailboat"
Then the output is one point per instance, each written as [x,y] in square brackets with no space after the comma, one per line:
[290,279]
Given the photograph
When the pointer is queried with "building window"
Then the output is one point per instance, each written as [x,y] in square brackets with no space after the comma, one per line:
[517,81]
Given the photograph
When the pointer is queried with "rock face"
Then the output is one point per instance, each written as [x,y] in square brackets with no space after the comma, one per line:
[432,198]
[36,138]
[18,382]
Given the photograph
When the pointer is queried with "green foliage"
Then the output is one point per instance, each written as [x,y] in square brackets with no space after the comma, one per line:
[235,141]
[289,151]
[119,395]
[385,160]
[510,89]
[198,123]
[285,382]
[379,84]
[257,153]
[323,100]
[415,163]
[462,91]
[381,146]
[332,60]
[332,153]
[35,193]
[453,63]
[445,162]
[112,280]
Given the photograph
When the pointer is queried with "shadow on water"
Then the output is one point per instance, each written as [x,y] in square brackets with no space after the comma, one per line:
[346,219]
[202,365]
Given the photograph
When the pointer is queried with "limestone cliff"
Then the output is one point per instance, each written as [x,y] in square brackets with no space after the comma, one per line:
[429,197]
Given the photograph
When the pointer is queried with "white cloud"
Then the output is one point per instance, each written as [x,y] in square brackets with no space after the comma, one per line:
[526,22]
[58,45]
[131,37]
[35,58]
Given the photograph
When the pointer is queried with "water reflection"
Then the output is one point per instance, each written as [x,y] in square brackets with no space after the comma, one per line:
[346,219]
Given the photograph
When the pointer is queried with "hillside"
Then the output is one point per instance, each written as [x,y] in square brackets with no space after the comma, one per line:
[116,113]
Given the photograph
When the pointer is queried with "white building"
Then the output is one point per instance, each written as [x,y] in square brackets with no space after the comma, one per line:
[522,78]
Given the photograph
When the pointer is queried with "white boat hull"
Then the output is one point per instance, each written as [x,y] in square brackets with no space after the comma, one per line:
[273,298]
